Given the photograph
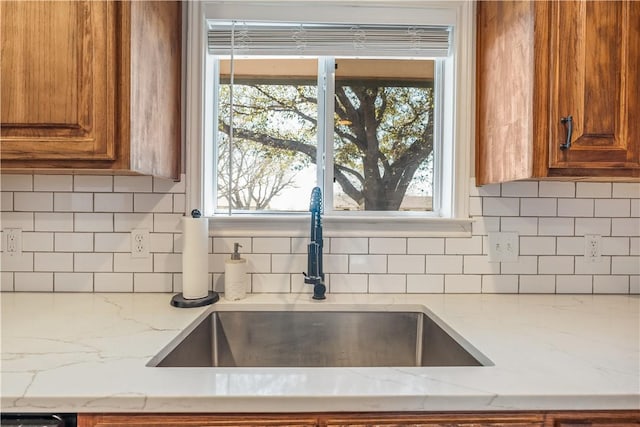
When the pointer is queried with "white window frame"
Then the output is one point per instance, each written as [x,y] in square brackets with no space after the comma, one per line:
[459,14]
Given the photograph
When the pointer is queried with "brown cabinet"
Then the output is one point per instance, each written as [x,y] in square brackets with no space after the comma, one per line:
[91,86]
[396,419]
[539,63]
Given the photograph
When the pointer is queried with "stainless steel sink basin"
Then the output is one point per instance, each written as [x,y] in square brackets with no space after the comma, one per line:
[318,339]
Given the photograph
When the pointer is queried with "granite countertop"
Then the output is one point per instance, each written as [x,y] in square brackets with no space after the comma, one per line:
[87,353]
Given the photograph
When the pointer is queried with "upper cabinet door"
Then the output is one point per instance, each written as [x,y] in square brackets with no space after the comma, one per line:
[594,51]
[58,80]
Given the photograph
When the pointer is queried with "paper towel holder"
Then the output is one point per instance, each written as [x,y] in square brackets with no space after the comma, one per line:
[180,301]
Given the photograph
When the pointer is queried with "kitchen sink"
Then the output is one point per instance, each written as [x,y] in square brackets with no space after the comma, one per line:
[318,339]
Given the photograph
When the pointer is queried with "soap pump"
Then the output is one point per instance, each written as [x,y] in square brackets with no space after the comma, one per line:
[235,275]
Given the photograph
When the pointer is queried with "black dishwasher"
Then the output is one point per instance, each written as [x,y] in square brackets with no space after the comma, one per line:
[38,420]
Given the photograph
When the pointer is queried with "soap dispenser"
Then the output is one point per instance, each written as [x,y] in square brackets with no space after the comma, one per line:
[235,275]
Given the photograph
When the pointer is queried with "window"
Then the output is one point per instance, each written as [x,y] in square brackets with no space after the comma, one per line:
[291,99]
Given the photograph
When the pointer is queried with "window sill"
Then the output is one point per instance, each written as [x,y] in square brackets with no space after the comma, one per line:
[338,226]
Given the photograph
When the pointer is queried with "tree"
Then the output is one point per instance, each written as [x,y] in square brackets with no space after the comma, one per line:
[383,133]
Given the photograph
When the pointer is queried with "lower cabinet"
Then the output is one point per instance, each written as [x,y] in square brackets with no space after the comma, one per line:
[399,419]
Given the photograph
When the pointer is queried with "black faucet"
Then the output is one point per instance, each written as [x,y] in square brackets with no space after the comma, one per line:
[315,274]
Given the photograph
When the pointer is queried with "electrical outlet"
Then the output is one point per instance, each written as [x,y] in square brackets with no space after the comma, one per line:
[592,243]
[139,243]
[503,247]
[13,241]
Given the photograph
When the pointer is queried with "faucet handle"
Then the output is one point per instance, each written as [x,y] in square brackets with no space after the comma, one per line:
[316,200]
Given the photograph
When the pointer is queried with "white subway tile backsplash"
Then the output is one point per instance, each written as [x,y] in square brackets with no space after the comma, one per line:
[153,202]
[463,246]
[537,284]
[163,242]
[485,190]
[537,245]
[601,266]
[348,283]
[11,182]
[6,281]
[463,284]
[500,284]
[33,202]
[53,182]
[485,225]
[76,237]
[73,282]
[33,282]
[612,207]
[387,245]
[73,202]
[615,246]
[425,283]
[625,265]
[479,264]
[113,282]
[167,263]
[610,284]
[593,189]
[343,245]
[6,201]
[524,265]
[444,264]
[629,190]
[288,263]
[520,189]
[152,282]
[387,283]
[161,185]
[556,226]
[19,262]
[574,284]
[113,242]
[256,263]
[625,226]
[570,245]
[37,242]
[575,207]
[132,184]
[124,263]
[601,226]
[557,189]
[498,206]
[73,242]
[408,264]
[113,202]
[272,245]
[45,221]
[125,222]
[334,263]
[94,222]
[425,245]
[97,261]
[538,207]
[367,264]
[53,261]
[556,265]
[167,223]
[271,283]
[522,225]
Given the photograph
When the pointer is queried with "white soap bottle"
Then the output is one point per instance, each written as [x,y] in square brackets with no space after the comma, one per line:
[235,276]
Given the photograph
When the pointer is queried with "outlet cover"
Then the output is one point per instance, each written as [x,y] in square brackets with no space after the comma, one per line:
[12,241]
[139,243]
[592,243]
[504,247]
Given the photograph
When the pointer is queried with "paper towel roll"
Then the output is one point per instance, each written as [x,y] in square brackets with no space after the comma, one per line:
[235,279]
[195,257]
